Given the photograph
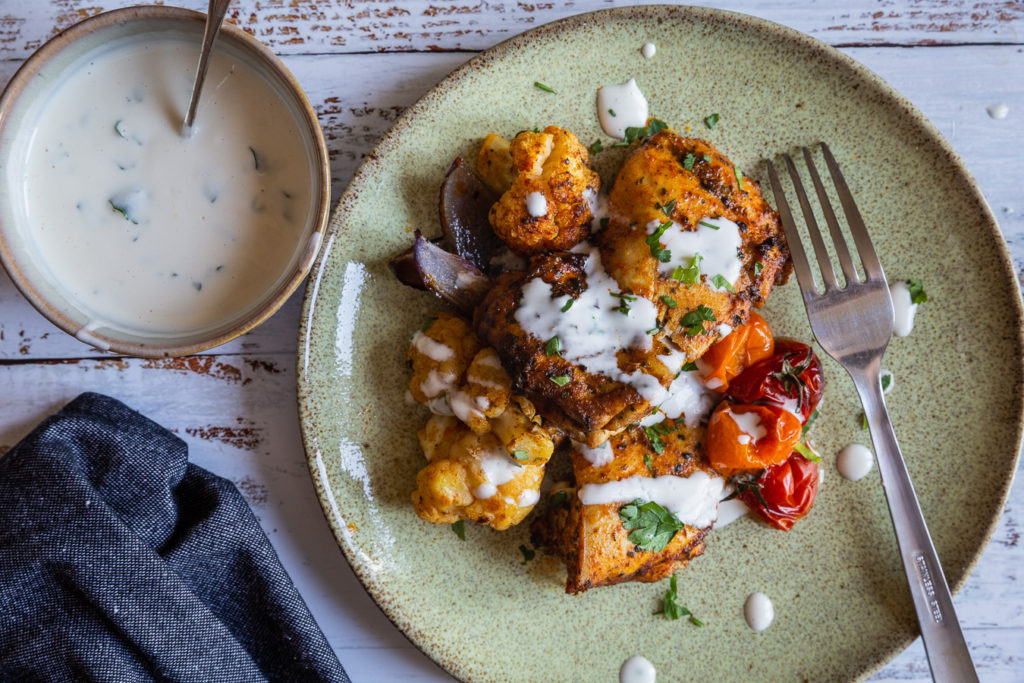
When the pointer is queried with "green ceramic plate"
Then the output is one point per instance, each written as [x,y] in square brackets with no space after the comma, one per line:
[842,606]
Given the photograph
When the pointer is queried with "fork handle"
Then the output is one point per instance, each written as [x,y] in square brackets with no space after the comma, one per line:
[944,642]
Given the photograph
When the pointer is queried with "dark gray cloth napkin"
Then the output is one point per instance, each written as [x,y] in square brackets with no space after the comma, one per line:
[121,561]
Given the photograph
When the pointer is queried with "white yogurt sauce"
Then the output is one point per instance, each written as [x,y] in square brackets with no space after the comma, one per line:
[729,511]
[759,611]
[591,332]
[145,229]
[648,50]
[750,424]
[464,407]
[855,461]
[637,669]
[598,203]
[620,107]
[431,348]
[598,457]
[497,468]
[527,498]
[537,204]
[693,499]
[718,247]
[686,397]
[903,307]
[436,384]
[998,111]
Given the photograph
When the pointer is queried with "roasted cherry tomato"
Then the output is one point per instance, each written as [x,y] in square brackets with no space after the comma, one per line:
[783,493]
[791,378]
[747,438]
[743,347]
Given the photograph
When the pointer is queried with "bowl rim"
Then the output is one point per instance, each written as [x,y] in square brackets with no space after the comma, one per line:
[321,194]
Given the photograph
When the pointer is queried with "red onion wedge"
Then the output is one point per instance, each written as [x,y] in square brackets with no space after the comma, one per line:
[464,206]
[453,278]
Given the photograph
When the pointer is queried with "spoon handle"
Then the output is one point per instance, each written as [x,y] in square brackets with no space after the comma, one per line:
[214,18]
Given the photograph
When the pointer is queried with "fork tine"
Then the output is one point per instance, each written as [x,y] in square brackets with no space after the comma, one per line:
[796,247]
[842,251]
[872,266]
[824,263]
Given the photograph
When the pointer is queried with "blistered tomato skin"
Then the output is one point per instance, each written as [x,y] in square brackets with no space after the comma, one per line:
[746,345]
[787,492]
[731,450]
[792,376]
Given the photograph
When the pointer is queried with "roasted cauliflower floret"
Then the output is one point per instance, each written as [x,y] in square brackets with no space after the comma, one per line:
[547,206]
[492,478]
[485,393]
[439,356]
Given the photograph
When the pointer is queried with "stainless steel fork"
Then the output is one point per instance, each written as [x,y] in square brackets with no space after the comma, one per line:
[854,323]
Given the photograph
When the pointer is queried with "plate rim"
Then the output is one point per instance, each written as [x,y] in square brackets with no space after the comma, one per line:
[657,11]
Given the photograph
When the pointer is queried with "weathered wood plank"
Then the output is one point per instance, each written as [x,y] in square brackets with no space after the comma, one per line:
[346,26]
[233,414]
[359,96]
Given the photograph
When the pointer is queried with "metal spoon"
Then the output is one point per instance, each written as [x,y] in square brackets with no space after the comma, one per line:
[214,18]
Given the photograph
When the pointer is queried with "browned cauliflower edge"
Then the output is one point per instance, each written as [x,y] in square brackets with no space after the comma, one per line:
[548,187]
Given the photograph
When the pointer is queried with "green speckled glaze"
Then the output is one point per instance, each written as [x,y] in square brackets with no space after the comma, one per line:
[842,606]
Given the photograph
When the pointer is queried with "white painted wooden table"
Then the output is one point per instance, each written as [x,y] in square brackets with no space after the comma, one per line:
[361,62]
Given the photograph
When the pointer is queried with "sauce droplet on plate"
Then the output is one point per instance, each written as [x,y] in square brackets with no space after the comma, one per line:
[759,611]
[855,461]
[637,669]
[903,307]
[620,107]
[649,49]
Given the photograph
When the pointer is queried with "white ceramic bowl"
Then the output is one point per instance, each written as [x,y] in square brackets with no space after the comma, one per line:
[20,105]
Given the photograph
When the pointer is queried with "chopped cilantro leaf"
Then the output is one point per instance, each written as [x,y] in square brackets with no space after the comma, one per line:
[651,526]
[690,366]
[758,267]
[568,304]
[691,274]
[561,380]
[459,528]
[694,320]
[647,463]
[810,421]
[545,88]
[654,434]
[672,609]
[668,301]
[688,161]
[528,553]
[596,147]
[804,449]
[668,208]
[917,293]
[612,112]
[720,282]
[558,497]
[739,177]
[521,455]
[706,158]
[654,242]
[553,346]
[710,120]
